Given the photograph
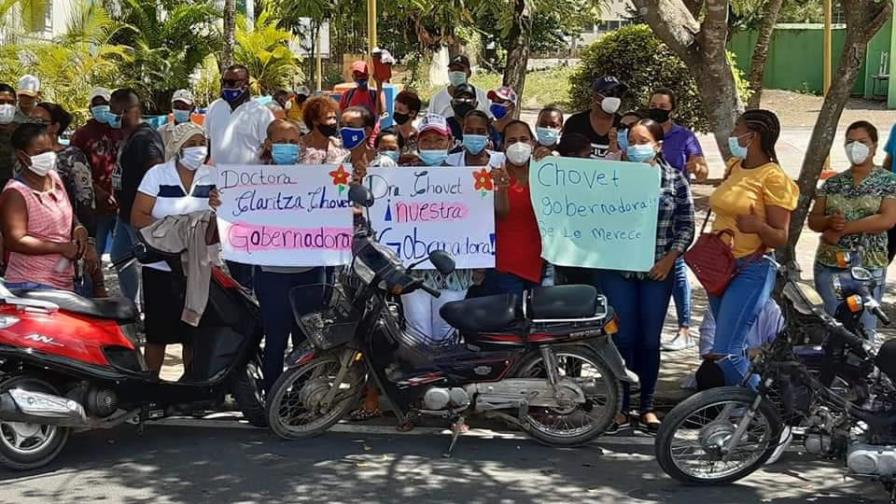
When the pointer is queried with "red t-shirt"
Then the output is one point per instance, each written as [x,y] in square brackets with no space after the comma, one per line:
[99,143]
[517,238]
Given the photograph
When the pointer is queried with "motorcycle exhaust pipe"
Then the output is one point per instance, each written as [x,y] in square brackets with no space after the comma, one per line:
[19,405]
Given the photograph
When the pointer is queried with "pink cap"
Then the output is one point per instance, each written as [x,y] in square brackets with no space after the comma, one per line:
[503,93]
[434,122]
[360,66]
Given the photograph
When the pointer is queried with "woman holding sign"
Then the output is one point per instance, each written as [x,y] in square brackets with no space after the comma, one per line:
[642,299]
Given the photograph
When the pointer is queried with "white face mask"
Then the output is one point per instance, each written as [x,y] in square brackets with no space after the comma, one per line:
[41,164]
[193,157]
[611,104]
[518,153]
[7,113]
[857,153]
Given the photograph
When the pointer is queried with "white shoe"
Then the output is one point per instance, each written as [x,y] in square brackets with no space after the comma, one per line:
[783,444]
[678,342]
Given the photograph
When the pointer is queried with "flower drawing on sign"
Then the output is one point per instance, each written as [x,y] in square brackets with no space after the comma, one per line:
[484,182]
[340,178]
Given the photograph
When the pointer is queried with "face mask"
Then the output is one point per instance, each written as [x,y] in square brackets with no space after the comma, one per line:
[182,116]
[461,109]
[640,153]
[659,115]
[857,153]
[547,136]
[41,164]
[327,130]
[475,143]
[611,104]
[622,139]
[434,157]
[284,154]
[352,137]
[100,113]
[231,95]
[400,119]
[362,83]
[518,153]
[114,120]
[498,110]
[737,150]
[391,154]
[7,113]
[457,78]
[193,157]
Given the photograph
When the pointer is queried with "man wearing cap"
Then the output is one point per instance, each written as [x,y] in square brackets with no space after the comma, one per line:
[502,108]
[99,142]
[8,123]
[362,95]
[597,123]
[459,72]
[182,110]
[462,102]
[28,94]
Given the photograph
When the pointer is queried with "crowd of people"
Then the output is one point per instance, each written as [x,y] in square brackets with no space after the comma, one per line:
[64,204]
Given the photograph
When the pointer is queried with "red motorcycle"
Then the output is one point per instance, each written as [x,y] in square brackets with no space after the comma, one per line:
[72,363]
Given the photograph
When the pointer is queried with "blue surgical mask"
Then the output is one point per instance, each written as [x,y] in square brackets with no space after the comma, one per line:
[435,157]
[352,137]
[457,78]
[284,153]
[737,150]
[475,143]
[362,83]
[499,110]
[641,153]
[182,116]
[547,136]
[391,154]
[622,139]
[100,113]
[114,120]
[231,95]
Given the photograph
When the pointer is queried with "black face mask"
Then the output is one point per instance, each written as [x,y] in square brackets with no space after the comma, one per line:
[659,115]
[327,130]
[400,118]
[462,109]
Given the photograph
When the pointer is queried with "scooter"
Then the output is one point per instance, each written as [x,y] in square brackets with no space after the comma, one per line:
[545,362]
[71,363]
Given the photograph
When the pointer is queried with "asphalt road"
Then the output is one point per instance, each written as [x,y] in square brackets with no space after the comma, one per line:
[170,464]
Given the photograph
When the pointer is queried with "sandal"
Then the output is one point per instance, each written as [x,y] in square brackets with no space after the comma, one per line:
[620,423]
[652,427]
[362,414]
[406,426]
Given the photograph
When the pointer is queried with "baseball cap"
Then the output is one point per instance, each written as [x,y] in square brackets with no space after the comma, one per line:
[182,95]
[460,61]
[360,66]
[303,90]
[464,89]
[100,92]
[434,122]
[29,85]
[609,86]
[503,93]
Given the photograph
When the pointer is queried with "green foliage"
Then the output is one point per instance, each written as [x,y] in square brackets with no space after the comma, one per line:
[265,50]
[635,56]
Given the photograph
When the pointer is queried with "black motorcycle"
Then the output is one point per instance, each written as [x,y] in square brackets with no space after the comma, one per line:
[545,363]
[845,403]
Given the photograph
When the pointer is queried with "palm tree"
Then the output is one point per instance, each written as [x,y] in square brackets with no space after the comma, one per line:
[265,49]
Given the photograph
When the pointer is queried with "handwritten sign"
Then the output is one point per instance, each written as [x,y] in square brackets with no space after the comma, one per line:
[422,209]
[285,215]
[596,214]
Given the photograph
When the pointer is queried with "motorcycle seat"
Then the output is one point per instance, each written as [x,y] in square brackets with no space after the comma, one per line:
[562,302]
[118,309]
[489,313]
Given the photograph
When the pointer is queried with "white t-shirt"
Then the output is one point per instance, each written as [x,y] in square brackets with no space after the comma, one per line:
[496,159]
[237,135]
[163,183]
[441,103]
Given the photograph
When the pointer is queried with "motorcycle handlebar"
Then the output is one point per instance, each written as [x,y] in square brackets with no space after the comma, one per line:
[851,340]
[880,315]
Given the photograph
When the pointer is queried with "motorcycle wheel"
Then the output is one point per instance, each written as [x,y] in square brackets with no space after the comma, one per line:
[248,390]
[584,423]
[294,408]
[689,444]
[25,446]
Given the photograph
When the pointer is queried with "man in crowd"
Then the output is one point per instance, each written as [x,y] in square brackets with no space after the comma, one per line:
[237,127]
[182,109]
[597,123]
[142,149]
[8,121]
[362,95]
[99,142]
[459,72]
[28,93]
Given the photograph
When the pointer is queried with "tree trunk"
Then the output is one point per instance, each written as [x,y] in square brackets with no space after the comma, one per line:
[519,40]
[229,32]
[863,20]
[760,53]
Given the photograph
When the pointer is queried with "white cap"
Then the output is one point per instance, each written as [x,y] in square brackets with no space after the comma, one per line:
[100,92]
[183,95]
[303,90]
[29,85]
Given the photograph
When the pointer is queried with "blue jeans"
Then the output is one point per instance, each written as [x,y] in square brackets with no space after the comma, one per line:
[123,244]
[567,275]
[681,293]
[641,307]
[735,312]
[242,273]
[497,282]
[824,284]
[272,291]
[105,228]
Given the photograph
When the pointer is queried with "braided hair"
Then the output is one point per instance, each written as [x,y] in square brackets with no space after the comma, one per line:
[766,125]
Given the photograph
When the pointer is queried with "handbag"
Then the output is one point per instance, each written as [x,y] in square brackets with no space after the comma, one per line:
[712,260]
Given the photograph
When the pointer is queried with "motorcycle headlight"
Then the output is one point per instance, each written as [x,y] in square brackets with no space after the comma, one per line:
[363,271]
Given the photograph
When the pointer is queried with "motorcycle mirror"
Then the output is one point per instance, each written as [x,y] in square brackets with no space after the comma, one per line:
[360,195]
[861,274]
[442,261]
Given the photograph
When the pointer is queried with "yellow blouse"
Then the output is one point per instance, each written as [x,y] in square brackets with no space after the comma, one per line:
[766,185]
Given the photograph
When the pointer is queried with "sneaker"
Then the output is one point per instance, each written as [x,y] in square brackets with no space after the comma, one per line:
[681,341]
[783,444]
